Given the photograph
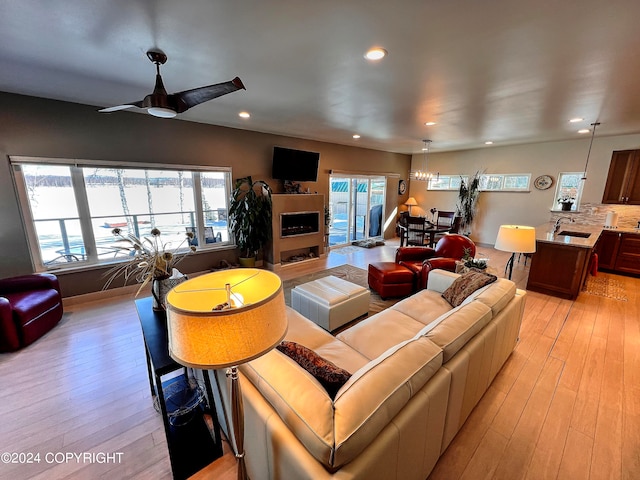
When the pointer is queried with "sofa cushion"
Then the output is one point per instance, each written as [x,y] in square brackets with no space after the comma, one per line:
[465,285]
[459,326]
[307,333]
[498,295]
[330,376]
[423,306]
[376,393]
[377,334]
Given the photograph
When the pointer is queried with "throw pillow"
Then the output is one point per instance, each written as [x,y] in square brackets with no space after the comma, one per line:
[330,376]
[465,285]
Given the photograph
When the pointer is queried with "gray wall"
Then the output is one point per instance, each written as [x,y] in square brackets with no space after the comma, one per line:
[44,128]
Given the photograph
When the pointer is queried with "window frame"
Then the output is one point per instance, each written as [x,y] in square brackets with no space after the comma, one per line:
[556,207]
[451,182]
[84,215]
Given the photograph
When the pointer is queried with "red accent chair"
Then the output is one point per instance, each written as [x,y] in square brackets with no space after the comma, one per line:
[30,306]
[448,249]
[410,271]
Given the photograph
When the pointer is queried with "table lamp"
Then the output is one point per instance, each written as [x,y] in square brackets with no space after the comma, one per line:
[411,202]
[515,239]
[224,319]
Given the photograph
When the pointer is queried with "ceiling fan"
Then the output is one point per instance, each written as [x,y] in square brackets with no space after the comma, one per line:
[161,104]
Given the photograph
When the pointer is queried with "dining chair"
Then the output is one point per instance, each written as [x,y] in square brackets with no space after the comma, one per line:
[416,227]
[449,220]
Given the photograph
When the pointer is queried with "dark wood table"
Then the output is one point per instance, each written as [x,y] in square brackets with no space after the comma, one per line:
[431,231]
[191,446]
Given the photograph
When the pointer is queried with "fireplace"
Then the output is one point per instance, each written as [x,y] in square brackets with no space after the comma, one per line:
[299,223]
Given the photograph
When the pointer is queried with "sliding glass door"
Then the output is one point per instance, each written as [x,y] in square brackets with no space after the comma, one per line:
[357,208]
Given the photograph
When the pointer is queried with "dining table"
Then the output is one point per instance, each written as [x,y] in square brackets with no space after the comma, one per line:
[430,229]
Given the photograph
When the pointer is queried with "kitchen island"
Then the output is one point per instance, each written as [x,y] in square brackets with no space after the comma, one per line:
[561,262]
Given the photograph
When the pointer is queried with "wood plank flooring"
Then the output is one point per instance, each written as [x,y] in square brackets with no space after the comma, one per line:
[565,406]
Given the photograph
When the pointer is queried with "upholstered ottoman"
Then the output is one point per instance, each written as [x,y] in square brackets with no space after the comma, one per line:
[330,301]
[390,279]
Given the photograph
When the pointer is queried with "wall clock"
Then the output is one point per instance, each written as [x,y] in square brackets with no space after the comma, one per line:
[543,182]
[402,187]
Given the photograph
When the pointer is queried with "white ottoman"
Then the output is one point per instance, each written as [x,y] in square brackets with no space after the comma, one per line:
[330,301]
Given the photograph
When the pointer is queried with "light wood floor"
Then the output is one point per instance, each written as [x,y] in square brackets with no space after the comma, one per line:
[566,405]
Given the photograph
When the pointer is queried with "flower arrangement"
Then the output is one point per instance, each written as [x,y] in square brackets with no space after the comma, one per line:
[565,198]
[150,258]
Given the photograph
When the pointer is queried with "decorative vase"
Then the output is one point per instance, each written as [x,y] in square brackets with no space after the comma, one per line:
[566,207]
[160,286]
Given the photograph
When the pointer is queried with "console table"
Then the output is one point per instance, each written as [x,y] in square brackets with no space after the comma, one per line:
[191,446]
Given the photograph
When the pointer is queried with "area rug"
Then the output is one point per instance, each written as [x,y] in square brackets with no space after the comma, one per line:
[605,287]
[347,272]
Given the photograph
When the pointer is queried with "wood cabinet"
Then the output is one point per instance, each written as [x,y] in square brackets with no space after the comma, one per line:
[559,270]
[619,252]
[628,257]
[607,249]
[623,180]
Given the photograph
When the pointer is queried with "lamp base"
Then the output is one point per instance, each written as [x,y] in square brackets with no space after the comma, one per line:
[509,265]
[238,421]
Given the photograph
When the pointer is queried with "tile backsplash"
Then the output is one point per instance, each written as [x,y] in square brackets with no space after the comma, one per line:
[596,213]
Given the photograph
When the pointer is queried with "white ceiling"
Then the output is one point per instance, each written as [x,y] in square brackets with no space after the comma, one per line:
[501,70]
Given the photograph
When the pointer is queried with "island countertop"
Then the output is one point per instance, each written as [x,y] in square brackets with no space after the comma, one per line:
[544,233]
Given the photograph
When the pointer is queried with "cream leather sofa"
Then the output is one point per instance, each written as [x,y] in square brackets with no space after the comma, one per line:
[418,369]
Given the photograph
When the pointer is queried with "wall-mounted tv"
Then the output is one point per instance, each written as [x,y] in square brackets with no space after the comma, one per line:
[295,165]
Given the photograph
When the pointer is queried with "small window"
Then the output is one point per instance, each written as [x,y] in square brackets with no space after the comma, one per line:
[568,192]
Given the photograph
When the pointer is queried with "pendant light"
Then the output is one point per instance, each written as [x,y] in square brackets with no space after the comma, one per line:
[593,133]
[423,174]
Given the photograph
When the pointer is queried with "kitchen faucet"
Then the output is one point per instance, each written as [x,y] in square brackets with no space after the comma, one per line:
[556,227]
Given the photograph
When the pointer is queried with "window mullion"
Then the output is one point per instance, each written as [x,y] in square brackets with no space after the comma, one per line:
[197,201]
[84,214]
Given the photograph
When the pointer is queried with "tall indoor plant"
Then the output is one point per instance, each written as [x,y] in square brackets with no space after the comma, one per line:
[467,202]
[250,217]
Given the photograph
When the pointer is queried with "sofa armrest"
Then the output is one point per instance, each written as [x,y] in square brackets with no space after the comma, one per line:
[431,264]
[37,281]
[409,254]
[9,340]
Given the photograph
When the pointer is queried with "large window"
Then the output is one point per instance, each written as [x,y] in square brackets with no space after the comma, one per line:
[71,209]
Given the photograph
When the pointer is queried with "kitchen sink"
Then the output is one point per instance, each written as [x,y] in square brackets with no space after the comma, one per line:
[570,233]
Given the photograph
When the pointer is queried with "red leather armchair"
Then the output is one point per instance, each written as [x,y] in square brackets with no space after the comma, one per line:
[421,260]
[30,306]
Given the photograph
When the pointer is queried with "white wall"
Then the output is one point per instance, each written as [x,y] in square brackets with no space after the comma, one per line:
[531,208]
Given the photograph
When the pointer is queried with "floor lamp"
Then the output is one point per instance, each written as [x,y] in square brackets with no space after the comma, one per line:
[515,239]
[224,319]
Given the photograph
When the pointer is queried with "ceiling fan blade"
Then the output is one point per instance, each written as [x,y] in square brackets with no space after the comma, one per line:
[120,107]
[190,98]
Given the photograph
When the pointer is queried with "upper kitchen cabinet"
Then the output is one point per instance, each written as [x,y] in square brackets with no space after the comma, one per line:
[623,181]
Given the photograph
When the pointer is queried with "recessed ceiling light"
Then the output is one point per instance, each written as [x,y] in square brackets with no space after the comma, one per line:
[429,124]
[376,53]
[244,114]
[576,120]
[584,130]
[356,136]
[488,142]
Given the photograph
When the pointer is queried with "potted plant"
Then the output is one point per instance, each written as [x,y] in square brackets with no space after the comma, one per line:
[467,201]
[250,217]
[566,202]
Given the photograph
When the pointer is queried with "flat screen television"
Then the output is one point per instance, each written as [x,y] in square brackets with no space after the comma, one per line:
[295,165]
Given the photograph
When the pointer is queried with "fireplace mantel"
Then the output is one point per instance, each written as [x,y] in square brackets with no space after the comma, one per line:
[297,229]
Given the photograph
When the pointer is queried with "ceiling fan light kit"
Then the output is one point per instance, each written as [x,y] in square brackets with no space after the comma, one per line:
[162,105]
